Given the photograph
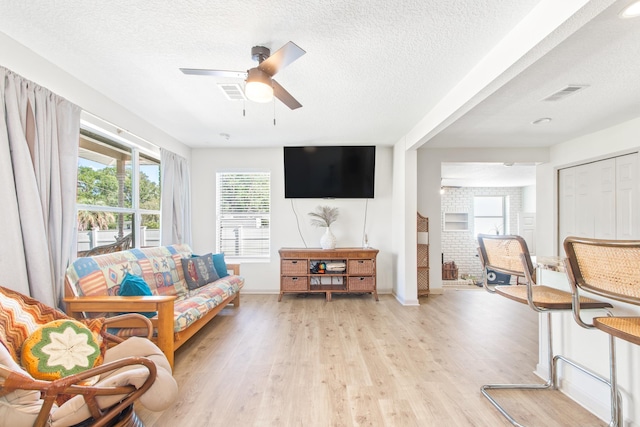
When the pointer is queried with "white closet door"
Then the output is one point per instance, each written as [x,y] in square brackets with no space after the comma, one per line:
[584,213]
[603,199]
[600,199]
[627,197]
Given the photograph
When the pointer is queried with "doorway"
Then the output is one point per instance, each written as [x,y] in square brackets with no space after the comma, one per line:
[483,198]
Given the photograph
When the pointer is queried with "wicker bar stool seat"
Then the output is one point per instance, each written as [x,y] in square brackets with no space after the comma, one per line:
[626,328]
[608,268]
[546,297]
[509,254]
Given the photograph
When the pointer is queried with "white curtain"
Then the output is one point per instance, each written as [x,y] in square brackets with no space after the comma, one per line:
[38,176]
[175,219]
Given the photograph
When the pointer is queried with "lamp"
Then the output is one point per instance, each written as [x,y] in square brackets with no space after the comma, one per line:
[631,11]
[259,87]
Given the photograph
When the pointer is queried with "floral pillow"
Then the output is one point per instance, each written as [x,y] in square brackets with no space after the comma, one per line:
[60,348]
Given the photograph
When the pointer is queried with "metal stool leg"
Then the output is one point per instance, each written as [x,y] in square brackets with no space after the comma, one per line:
[616,404]
[552,381]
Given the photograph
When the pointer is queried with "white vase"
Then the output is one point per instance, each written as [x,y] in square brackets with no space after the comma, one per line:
[328,240]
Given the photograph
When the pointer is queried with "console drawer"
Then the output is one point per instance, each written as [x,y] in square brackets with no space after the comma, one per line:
[362,284]
[361,267]
[294,267]
[294,284]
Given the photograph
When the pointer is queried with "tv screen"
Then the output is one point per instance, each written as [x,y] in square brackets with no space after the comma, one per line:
[341,172]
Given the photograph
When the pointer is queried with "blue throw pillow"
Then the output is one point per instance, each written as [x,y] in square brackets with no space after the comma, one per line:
[220,265]
[135,286]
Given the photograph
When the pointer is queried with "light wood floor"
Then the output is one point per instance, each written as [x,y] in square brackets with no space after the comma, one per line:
[355,362]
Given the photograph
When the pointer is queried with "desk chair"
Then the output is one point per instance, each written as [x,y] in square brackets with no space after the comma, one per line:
[609,268]
[508,254]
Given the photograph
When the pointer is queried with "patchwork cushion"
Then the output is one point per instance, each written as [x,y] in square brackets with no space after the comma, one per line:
[203,299]
[102,274]
[135,286]
[164,275]
[220,265]
[198,271]
[60,348]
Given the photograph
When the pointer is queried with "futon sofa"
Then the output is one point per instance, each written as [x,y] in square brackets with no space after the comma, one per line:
[177,309]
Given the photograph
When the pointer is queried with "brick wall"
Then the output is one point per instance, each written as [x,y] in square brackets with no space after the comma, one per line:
[461,246]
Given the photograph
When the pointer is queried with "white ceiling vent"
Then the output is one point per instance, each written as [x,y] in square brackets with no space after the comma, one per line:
[563,93]
[233,91]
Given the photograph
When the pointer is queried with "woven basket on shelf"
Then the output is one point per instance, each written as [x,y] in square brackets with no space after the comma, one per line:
[293,267]
[361,267]
[361,284]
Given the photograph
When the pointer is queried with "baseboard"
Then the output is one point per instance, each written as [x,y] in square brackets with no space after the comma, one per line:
[256,292]
[407,302]
[277,292]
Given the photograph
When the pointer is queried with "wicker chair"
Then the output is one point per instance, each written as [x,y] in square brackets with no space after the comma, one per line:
[119,245]
[130,369]
[608,268]
[509,254]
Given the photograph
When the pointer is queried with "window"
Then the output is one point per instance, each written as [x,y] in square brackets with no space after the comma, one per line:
[489,215]
[243,214]
[118,193]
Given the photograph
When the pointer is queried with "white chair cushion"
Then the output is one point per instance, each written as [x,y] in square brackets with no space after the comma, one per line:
[160,396]
[19,408]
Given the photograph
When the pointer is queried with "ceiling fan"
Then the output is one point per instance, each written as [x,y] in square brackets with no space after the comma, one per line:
[260,85]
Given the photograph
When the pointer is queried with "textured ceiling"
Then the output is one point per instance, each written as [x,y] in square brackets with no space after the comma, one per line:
[604,54]
[373,69]
[472,174]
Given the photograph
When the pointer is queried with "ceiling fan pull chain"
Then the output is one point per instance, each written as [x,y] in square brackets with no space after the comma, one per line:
[274,111]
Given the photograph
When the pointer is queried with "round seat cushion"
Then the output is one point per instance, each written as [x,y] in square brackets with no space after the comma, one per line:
[60,348]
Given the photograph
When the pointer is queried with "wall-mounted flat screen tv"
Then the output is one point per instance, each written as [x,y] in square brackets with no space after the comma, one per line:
[340,172]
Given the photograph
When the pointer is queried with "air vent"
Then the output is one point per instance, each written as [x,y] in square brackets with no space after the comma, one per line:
[563,93]
[233,91]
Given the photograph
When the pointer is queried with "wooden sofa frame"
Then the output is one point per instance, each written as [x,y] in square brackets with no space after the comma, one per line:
[166,339]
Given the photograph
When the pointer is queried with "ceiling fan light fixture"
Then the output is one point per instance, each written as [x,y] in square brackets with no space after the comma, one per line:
[259,87]
[631,11]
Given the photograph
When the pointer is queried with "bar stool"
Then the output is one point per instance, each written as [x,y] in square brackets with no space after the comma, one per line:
[509,254]
[609,268]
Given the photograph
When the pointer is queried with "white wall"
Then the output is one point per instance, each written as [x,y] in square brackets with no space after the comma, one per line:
[588,347]
[529,199]
[620,139]
[428,178]
[461,246]
[404,224]
[29,65]
[265,277]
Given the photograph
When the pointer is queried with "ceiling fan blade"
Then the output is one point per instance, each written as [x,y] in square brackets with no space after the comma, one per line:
[216,73]
[284,96]
[281,58]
